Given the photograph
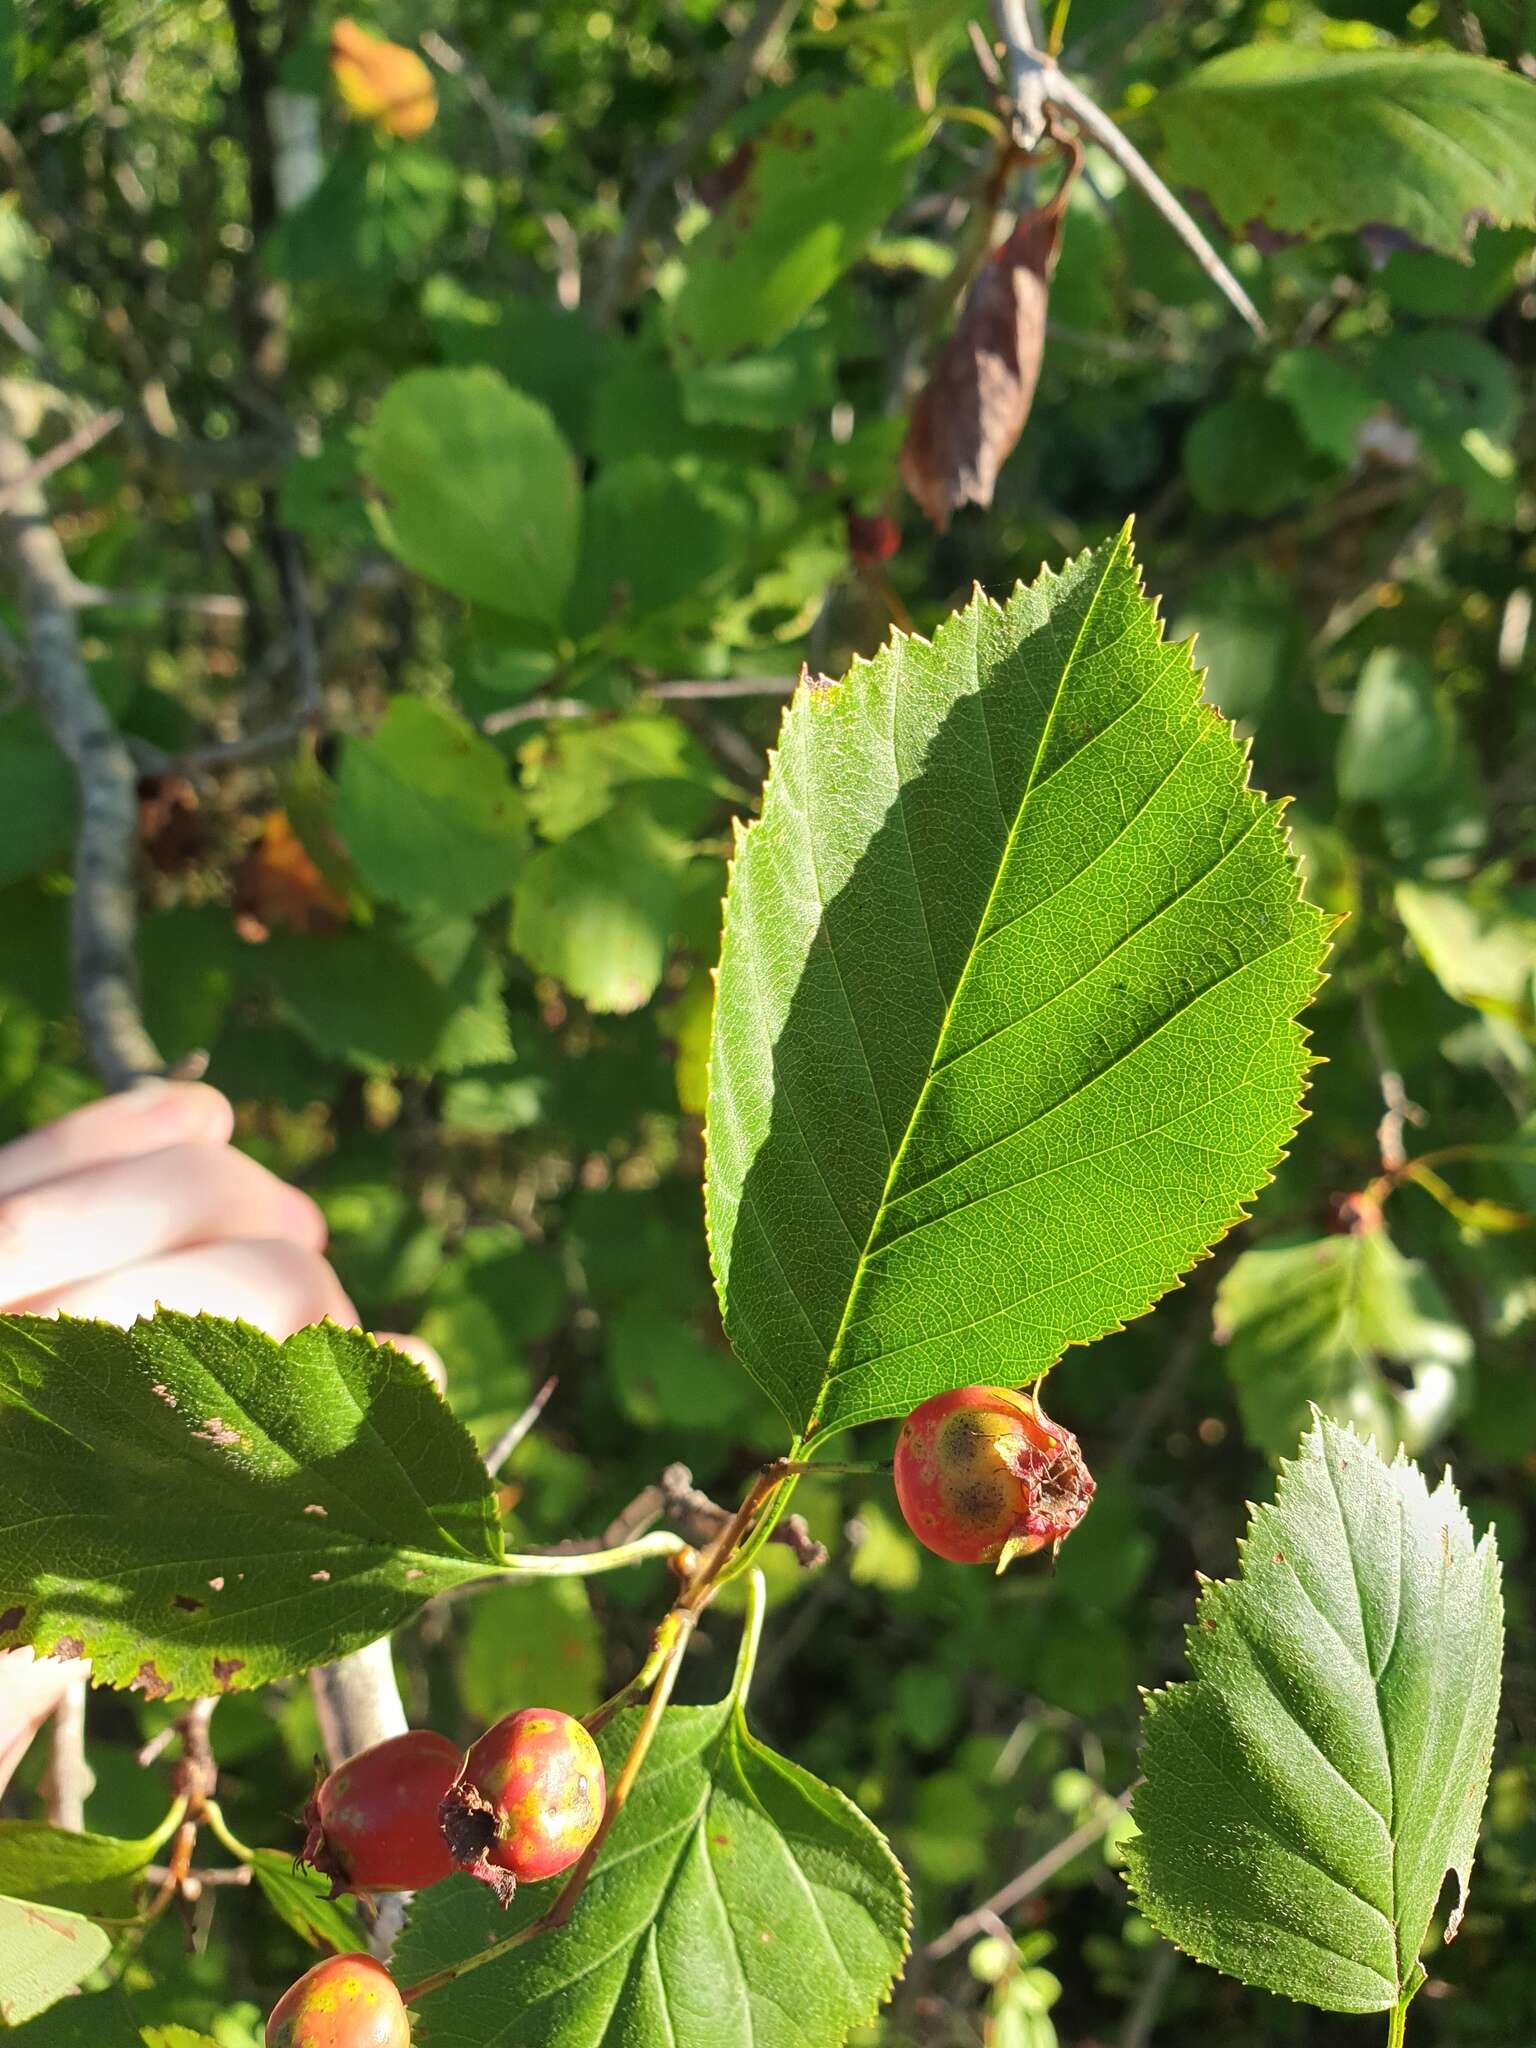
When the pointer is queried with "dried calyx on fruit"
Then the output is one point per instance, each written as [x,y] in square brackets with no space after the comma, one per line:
[984,1476]
[344,2002]
[373,1822]
[529,1800]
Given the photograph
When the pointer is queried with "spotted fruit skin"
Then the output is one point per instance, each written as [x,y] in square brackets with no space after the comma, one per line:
[373,1822]
[344,2002]
[982,1475]
[530,1799]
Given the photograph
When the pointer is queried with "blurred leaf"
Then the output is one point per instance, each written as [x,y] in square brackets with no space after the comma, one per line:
[1461,398]
[221,1510]
[429,813]
[650,536]
[1313,141]
[82,1873]
[559,358]
[535,1641]
[1440,288]
[300,1900]
[1243,455]
[44,1953]
[1482,950]
[376,212]
[735,1889]
[1365,1631]
[886,1556]
[363,998]
[598,910]
[1397,736]
[689,1022]
[771,391]
[99,2019]
[573,771]
[494,1298]
[932,1009]
[1331,399]
[478,489]
[1250,640]
[665,1376]
[1347,1323]
[820,179]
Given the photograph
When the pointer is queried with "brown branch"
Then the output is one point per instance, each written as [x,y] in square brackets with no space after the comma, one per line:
[675,1499]
[746,59]
[103,909]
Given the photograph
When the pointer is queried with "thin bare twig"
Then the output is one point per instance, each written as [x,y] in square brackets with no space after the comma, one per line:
[514,1433]
[1028,1882]
[74,445]
[1036,82]
[749,56]
[535,708]
[742,686]
[675,1499]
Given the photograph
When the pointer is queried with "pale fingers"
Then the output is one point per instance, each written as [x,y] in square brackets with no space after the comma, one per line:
[68,1231]
[142,1119]
[276,1284]
[30,1689]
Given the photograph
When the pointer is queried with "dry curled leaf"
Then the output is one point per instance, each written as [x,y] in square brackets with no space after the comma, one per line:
[279,883]
[969,415]
[172,828]
[381,81]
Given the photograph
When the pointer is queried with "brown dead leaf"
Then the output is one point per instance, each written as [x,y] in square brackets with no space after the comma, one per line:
[381,81]
[968,417]
[278,883]
[172,828]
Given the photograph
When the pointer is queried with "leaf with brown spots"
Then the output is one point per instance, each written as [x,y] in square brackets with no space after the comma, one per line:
[968,417]
[316,1492]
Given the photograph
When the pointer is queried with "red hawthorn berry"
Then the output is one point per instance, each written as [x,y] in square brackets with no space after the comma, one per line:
[530,1798]
[983,1476]
[872,538]
[344,2002]
[373,1821]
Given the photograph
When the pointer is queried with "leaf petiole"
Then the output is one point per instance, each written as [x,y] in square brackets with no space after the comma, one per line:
[586,1564]
[1397,2026]
[212,1816]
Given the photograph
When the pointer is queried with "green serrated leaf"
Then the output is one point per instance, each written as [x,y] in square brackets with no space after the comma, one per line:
[478,489]
[738,1903]
[820,179]
[1319,1322]
[44,1953]
[301,1901]
[1311,1786]
[429,813]
[1003,1037]
[83,1873]
[1313,141]
[200,1509]
[573,771]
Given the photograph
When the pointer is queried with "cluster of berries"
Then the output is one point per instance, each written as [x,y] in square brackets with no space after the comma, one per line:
[982,1476]
[521,1806]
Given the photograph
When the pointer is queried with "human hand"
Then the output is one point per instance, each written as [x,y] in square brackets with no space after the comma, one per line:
[141,1201]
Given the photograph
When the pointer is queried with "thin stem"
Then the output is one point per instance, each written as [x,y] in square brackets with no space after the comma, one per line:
[219,1828]
[584,1564]
[1397,2026]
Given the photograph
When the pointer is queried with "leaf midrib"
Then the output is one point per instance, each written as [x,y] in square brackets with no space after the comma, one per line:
[1111,561]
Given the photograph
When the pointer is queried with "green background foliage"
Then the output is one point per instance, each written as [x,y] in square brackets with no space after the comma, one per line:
[527,482]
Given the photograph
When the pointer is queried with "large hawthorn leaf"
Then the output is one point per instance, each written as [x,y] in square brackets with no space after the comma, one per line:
[44,1953]
[1004,1037]
[816,183]
[429,813]
[738,1903]
[477,489]
[199,1509]
[1312,141]
[1310,1788]
[1347,1323]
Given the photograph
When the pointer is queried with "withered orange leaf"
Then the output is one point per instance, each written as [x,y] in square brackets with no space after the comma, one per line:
[381,81]
[278,883]
[968,417]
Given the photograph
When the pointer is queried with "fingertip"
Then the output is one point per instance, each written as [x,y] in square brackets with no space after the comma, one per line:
[188,1112]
